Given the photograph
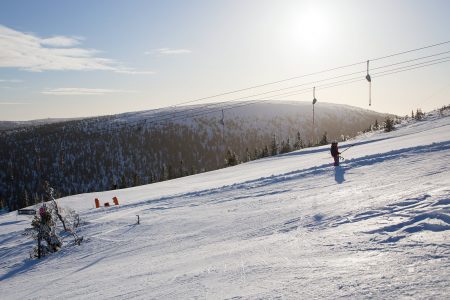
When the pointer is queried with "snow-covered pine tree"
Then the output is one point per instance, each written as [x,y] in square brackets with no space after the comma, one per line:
[286,146]
[2,204]
[43,231]
[44,226]
[231,158]
[324,140]
[298,142]
[26,199]
[256,154]
[274,146]
[419,114]
[248,157]
[388,124]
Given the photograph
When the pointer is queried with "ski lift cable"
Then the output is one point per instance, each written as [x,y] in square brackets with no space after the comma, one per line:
[358,79]
[309,74]
[269,83]
[413,68]
[409,51]
[174,114]
[326,79]
[304,84]
[325,86]
[410,60]
[291,93]
[270,91]
[347,81]
[413,65]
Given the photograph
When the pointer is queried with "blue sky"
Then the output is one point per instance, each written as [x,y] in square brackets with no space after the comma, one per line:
[86,58]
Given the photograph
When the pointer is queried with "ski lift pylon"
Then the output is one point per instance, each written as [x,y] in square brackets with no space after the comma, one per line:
[314,101]
[314,95]
[222,122]
[370,84]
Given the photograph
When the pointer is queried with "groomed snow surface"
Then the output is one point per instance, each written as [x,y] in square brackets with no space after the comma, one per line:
[290,227]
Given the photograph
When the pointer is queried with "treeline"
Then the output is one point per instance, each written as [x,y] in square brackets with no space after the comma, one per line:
[286,146]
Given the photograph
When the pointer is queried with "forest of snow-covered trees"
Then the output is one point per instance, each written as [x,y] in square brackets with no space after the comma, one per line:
[125,150]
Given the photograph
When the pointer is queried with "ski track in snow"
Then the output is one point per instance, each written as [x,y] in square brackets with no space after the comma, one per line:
[288,227]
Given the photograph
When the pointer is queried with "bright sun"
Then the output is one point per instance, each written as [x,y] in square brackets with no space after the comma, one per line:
[313,28]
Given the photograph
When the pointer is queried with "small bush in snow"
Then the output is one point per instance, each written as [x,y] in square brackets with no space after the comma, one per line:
[45,227]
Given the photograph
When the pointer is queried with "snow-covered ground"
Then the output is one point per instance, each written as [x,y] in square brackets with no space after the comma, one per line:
[290,227]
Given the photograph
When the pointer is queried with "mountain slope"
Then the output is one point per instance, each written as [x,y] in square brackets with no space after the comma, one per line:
[289,226]
[131,149]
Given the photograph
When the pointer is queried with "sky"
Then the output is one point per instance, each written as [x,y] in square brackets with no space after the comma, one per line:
[65,59]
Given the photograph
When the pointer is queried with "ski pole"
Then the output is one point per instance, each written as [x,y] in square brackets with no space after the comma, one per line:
[347,148]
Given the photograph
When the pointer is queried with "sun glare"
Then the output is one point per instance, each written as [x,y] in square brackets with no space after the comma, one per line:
[312,29]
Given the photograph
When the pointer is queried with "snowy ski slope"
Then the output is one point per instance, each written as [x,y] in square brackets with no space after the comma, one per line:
[290,227]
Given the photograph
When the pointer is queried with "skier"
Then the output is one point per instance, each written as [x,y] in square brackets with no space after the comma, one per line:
[335,153]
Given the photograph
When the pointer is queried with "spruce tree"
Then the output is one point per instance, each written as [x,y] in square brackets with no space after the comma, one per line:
[231,158]
[26,199]
[286,147]
[265,152]
[2,204]
[256,154]
[171,174]
[388,124]
[274,147]
[298,142]
[324,140]
[419,114]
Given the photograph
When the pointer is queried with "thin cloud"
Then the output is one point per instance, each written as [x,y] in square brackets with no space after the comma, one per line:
[82,91]
[13,103]
[29,52]
[134,72]
[168,51]
[61,41]
[11,80]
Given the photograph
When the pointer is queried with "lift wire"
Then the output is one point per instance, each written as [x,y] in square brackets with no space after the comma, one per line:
[327,79]
[325,86]
[411,60]
[376,75]
[309,74]
[418,64]
[232,105]
[409,51]
[291,93]
[298,85]
[291,87]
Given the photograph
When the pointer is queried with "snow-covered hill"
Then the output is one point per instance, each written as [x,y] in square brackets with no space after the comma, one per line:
[291,226]
[130,149]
